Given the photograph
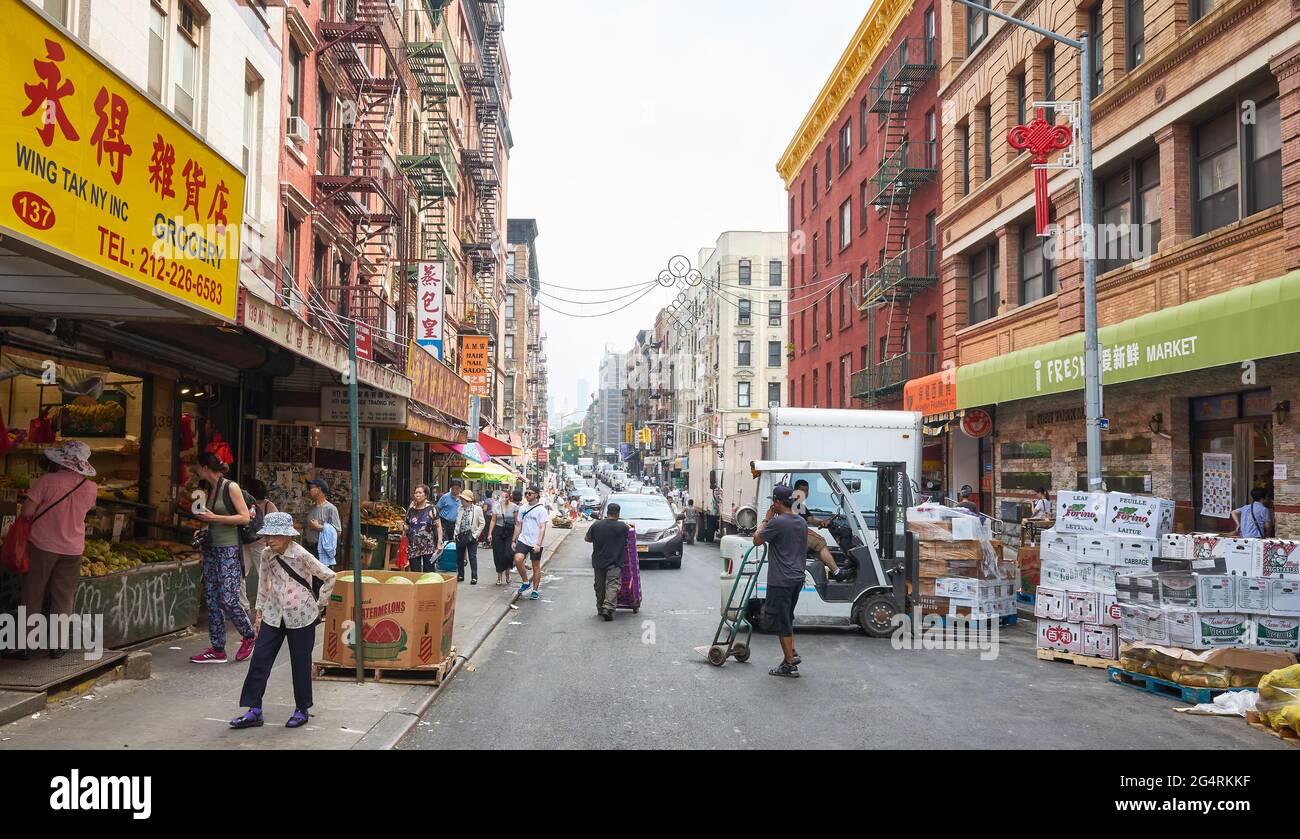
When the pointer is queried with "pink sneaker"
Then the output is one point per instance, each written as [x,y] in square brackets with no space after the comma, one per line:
[245,649]
[209,656]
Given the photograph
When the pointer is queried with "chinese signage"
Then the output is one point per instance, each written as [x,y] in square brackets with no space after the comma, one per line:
[977,423]
[932,394]
[103,175]
[375,409]
[474,363]
[429,303]
[434,384]
[271,322]
[1247,323]
[543,456]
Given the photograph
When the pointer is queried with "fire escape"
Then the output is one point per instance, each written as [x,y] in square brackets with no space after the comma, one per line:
[479,237]
[432,169]
[362,197]
[903,271]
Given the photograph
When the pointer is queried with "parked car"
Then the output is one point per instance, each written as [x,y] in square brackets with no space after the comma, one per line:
[658,527]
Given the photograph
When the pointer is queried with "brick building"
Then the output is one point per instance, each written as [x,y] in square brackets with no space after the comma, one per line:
[1196,150]
[863,181]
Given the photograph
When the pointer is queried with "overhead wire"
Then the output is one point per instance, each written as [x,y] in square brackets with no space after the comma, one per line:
[597,314]
[637,289]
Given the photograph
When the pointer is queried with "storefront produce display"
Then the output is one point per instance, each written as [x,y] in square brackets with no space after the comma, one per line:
[102,557]
[383,514]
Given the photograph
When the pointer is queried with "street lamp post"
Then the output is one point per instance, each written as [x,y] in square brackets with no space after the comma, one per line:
[1087,212]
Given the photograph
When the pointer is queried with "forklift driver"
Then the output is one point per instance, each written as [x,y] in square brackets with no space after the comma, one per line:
[816,544]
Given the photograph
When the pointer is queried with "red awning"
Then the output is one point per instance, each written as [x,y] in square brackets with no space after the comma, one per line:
[495,447]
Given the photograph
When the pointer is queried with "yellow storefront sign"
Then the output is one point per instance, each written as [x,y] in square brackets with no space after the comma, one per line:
[93,168]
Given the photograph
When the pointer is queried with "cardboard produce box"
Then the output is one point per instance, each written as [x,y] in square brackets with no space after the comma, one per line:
[1080,512]
[1283,597]
[1252,594]
[1082,607]
[963,551]
[1063,574]
[1137,554]
[931,605]
[405,626]
[926,587]
[1143,623]
[1204,545]
[1276,558]
[1103,578]
[1181,624]
[1100,641]
[1217,592]
[1176,546]
[1059,547]
[1178,589]
[1100,548]
[1238,556]
[1138,515]
[966,588]
[949,568]
[1272,633]
[1223,629]
[1050,603]
[1060,635]
[1142,598]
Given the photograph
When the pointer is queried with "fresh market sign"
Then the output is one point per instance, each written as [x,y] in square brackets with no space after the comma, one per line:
[1251,322]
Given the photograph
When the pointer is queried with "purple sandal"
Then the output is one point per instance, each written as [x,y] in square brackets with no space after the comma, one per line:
[298,719]
[252,718]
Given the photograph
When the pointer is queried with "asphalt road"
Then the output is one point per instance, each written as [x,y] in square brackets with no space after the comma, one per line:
[553,676]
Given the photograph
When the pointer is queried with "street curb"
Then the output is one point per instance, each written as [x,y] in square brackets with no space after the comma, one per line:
[394,725]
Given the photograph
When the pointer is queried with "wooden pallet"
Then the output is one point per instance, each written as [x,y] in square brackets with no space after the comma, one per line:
[327,671]
[1073,658]
[1286,735]
[1164,687]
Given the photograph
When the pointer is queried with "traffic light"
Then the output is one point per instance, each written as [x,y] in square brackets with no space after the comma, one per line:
[580,440]
[645,435]
[627,433]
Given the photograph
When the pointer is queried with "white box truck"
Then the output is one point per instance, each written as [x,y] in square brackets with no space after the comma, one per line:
[703,486]
[586,466]
[739,486]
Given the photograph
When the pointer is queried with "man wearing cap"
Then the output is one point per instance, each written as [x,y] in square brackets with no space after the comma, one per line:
[321,514]
[786,537]
[449,509]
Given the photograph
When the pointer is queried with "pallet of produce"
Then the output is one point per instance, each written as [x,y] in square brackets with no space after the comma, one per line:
[1164,687]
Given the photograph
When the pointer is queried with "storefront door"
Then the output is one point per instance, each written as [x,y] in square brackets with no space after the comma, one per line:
[1232,453]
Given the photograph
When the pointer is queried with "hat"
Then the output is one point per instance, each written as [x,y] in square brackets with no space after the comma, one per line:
[277,524]
[320,482]
[782,493]
[74,455]
[467,496]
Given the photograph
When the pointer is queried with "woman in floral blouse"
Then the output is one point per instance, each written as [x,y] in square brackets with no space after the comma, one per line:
[422,532]
[293,588]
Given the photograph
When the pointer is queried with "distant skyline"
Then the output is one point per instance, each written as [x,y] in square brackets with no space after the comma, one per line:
[644,130]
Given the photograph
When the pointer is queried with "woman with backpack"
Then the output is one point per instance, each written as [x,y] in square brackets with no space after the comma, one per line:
[223,568]
[57,504]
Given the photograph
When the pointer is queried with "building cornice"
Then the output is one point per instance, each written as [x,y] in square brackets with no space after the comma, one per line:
[872,36]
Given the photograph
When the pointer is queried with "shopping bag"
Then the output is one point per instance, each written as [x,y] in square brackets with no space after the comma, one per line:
[403,558]
[14,556]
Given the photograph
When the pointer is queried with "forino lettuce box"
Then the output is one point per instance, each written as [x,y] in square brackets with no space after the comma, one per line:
[1080,512]
[407,619]
[1137,515]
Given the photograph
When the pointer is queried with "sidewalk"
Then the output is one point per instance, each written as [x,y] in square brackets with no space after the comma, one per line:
[184,705]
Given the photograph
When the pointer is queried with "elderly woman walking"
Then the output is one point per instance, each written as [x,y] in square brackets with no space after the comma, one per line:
[292,591]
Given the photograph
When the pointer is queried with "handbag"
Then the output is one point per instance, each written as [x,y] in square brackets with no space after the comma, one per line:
[257,517]
[313,586]
[15,554]
[403,555]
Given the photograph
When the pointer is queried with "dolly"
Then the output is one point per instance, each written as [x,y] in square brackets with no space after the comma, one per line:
[735,619]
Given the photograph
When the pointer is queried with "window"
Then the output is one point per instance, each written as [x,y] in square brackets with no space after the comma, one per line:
[1094,47]
[774,313]
[746,272]
[816,261]
[862,208]
[863,109]
[187,64]
[510,306]
[1217,172]
[790,223]
[773,394]
[744,313]
[773,353]
[323,107]
[816,402]
[742,354]
[157,43]
[931,245]
[828,315]
[319,263]
[510,347]
[863,271]
[1021,104]
[1135,32]
[983,285]
[1037,273]
[510,263]
[846,373]
[1201,8]
[1148,203]
[846,223]
[977,26]
[814,185]
[932,343]
[1049,81]
[816,333]
[828,168]
[964,139]
[830,387]
[251,149]
[774,279]
[844,304]
[988,141]
[803,192]
[1264,144]
[742,393]
[846,139]
[742,427]
[931,140]
[289,256]
[294,92]
[828,241]
[930,40]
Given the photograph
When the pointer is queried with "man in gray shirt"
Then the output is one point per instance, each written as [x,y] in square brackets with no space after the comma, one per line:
[786,537]
[321,514]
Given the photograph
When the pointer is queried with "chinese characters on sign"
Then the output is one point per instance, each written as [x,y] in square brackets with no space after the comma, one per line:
[474,363]
[429,305]
[103,175]
[933,394]
[436,385]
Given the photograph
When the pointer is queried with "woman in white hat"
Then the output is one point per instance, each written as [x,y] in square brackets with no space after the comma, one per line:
[293,588]
[469,524]
[57,503]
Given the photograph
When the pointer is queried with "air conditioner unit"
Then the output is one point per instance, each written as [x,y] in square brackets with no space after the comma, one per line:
[297,130]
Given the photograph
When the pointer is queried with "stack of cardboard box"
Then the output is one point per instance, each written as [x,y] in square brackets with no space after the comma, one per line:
[963,572]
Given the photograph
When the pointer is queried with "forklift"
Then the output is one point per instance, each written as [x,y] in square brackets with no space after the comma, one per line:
[863,508]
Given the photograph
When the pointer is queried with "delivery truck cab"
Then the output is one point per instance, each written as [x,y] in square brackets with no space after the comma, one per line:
[864,509]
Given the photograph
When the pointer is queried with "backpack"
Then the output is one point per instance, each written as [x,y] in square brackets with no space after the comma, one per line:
[247,532]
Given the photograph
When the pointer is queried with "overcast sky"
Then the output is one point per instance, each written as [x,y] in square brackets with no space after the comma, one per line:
[643,129]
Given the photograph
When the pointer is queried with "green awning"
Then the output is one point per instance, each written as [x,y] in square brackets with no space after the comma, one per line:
[1245,324]
[486,472]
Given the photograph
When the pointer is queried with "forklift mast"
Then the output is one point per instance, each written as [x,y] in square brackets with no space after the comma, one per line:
[897,548]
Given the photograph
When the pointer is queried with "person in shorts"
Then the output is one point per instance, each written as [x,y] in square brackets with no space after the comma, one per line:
[530,531]
[786,537]
[816,542]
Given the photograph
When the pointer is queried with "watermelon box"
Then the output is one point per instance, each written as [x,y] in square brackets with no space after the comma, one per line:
[406,625]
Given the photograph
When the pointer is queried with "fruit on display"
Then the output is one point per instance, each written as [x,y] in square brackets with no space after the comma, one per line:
[346,577]
[383,514]
[102,557]
[403,581]
[431,577]
[98,417]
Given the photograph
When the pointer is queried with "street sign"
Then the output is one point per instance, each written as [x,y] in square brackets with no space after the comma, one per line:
[1103,423]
